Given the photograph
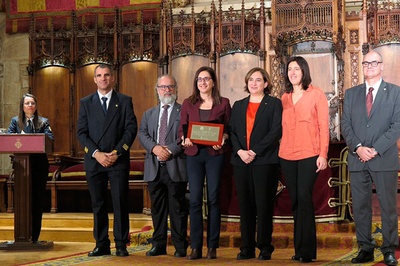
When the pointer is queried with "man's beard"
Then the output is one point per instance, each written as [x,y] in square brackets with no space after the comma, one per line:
[167,99]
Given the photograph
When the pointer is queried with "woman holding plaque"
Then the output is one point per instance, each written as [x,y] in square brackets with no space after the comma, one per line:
[28,121]
[255,131]
[204,160]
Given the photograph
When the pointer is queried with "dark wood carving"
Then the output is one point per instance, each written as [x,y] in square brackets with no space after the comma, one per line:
[383,22]
[135,42]
[138,42]
[49,47]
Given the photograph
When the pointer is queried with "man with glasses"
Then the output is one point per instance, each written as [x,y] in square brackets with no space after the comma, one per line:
[165,169]
[371,128]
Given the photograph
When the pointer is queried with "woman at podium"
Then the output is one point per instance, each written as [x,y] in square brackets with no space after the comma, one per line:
[28,121]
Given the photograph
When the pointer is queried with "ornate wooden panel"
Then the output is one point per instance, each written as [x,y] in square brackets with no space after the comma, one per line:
[49,46]
[94,38]
[138,42]
[188,34]
[383,19]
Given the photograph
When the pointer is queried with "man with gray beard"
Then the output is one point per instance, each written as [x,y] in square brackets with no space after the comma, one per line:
[165,169]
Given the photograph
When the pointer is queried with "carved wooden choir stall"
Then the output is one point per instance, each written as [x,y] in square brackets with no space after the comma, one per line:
[141,45]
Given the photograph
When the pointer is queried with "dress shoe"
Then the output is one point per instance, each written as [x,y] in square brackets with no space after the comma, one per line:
[245,255]
[390,259]
[305,260]
[264,255]
[180,253]
[212,253]
[363,256]
[195,254]
[121,252]
[301,259]
[155,251]
[99,252]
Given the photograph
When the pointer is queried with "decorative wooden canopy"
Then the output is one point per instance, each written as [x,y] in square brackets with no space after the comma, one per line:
[57,14]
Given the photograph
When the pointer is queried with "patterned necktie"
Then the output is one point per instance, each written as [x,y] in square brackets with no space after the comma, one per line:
[162,132]
[104,105]
[369,100]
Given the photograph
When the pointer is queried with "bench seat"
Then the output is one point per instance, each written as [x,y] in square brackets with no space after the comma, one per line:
[70,175]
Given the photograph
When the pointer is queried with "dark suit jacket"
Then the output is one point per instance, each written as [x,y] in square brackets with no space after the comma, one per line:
[148,133]
[219,114]
[266,133]
[40,163]
[116,131]
[381,130]
[44,127]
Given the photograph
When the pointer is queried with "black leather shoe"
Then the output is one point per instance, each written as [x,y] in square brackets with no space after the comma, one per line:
[390,259]
[245,255]
[180,253]
[363,257]
[212,253]
[301,260]
[264,255]
[195,254]
[155,251]
[121,252]
[305,260]
[99,252]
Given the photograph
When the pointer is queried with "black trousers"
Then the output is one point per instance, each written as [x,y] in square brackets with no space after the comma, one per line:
[256,189]
[300,178]
[40,172]
[168,197]
[98,187]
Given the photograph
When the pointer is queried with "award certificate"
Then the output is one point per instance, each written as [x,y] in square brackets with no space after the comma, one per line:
[205,133]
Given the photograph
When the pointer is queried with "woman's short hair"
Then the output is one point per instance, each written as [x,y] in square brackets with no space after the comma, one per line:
[265,76]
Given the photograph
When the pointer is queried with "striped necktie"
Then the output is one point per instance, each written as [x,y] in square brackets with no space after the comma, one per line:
[369,100]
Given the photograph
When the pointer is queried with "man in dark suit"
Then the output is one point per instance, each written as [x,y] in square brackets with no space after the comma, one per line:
[107,128]
[373,156]
[165,169]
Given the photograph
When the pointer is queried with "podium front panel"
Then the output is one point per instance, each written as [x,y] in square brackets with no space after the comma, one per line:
[25,143]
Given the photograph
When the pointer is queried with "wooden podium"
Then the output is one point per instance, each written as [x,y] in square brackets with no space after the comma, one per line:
[22,146]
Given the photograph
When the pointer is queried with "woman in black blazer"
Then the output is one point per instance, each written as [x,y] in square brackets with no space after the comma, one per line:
[255,130]
[28,121]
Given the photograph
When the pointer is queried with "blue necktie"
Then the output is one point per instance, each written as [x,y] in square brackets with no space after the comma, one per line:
[30,127]
[104,105]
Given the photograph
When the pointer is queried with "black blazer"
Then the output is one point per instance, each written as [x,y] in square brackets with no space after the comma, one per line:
[116,131]
[266,133]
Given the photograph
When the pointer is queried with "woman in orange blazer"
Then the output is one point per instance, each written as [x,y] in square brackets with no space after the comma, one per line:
[204,105]
[303,151]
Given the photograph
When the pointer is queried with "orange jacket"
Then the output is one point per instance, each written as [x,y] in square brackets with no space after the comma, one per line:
[305,125]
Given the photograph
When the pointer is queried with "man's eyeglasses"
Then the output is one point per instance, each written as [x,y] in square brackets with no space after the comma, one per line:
[165,87]
[373,63]
[206,79]
[30,103]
